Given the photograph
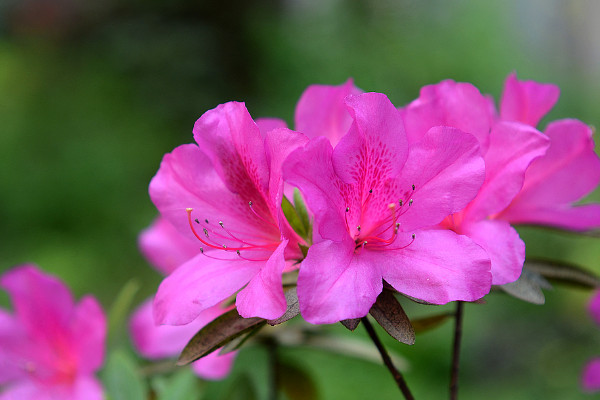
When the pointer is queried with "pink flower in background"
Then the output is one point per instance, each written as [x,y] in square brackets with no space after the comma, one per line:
[509,149]
[591,373]
[369,196]
[166,249]
[568,171]
[50,347]
[231,188]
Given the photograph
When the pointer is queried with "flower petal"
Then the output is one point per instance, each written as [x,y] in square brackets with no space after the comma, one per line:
[234,144]
[453,104]
[447,170]
[164,247]
[512,148]
[549,187]
[502,244]
[334,285]
[88,329]
[438,267]
[526,101]
[591,376]
[214,366]
[11,341]
[594,307]
[263,296]
[268,124]
[321,111]
[199,284]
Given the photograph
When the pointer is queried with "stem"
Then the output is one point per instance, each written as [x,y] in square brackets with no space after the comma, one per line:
[387,360]
[456,351]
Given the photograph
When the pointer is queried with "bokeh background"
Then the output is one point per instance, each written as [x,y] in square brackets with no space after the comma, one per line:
[92,94]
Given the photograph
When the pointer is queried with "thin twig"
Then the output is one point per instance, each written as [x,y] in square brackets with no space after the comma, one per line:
[387,360]
[456,351]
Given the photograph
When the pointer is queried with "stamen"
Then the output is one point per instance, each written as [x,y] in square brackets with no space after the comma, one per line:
[196,220]
[261,218]
[410,202]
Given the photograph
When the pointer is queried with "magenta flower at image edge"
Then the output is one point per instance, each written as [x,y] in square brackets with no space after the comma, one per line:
[590,379]
[50,347]
[230,185]
[165,248]
[371,197]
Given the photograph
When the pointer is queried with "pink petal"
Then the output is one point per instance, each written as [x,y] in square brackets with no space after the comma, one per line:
[263,296]
[591,376]
[233,142]
[11,341]
[526,101]
[27,390]
[162,341]
[199,284]
[594,307]
[268,124]
[512,148]
[320,186]
[88,328]
[42,303]
[87,388]
[549,187]
[502,244]
[447,170]
[438,267]
[186,178]
[214,366]
[321,111]
[334,285]
[448,103]
[164,247]
[375,147]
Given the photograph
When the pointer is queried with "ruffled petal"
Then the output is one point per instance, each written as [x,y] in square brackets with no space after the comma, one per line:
[502,244]
[447,170]
[438,267]
[549,187]
[591,376]
[321,111]
[452,104]
[526,101]
[214,366]
[165,247]
[334,285]
[263,296]
[268,124]
[199,284]
[513,147]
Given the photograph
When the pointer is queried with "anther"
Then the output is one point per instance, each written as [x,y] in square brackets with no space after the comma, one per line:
[413,187]
[370,191]
[358,228]
[202,250]
[250,203]
[410,202]
[225,246]
[401,203]
[221,223]
[198,222]
[238,253]
[413,235]
[205,231]
[206,220]
[347,209]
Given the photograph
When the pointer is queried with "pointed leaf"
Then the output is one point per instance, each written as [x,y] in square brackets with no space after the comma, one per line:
[121,378]
[239,341]
[292,217]
[293,309]
[301,210]
[425,324]
[296,383]
[351,324]
[564,273]
[528,287]
[216,334]
[388,312]
[121,308]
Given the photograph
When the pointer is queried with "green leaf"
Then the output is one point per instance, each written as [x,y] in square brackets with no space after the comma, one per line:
[293,308]
[121,378]
[388,312]
[351,324]
[121,307]
[425,324]
[292,217]
[296,383]
[183,385]
[564,273]
[301,211]
[242,389]
[239,341]
[528,287]
[216,334]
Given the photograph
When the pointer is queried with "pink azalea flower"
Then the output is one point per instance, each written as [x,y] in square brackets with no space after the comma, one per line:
[549,189]
[369,196]
[50,347]
[509,149]
[166,249]
[591,373]
[230,185]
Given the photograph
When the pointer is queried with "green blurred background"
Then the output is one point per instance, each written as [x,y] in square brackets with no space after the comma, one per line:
[92,94]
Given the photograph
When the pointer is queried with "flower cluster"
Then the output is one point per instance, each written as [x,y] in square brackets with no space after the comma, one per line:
[418,199]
